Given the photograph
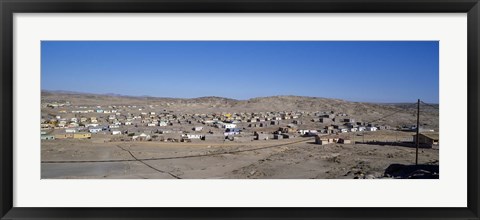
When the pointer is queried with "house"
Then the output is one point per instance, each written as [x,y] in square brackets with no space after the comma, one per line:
[82,135]
[45,125]
[73,125]
[429,139]
[289,129]
[349,120]
[344,141]
[193,136]
[325,120]
[261,136]
[278,136]
[320,140]
[116,132]
[61,124]
[94,130]
[371,129]
[303,132]
[297,122]
[151,124]
[64,136]
[274,122]
[197,128]
[328,116]
[229,125]
[162,123]
[141,137]
[384,127]
[213,137]
[288,136]
[47,137]
[70,130]
[233,131]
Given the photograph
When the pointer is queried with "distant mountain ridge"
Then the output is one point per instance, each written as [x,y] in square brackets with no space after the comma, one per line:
[201,98]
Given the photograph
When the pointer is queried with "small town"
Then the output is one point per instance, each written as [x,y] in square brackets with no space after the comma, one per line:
[241,109]
[142,123]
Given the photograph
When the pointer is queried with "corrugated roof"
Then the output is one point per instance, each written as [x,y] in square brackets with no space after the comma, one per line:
[431,135]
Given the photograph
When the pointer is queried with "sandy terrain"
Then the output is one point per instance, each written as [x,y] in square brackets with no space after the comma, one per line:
[297,158]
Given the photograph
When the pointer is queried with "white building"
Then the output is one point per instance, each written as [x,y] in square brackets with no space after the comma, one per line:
[70,130]
[303,132]
[228,125]
[116,132]
[163,123]
[193,136]
[94,130]
[372,128]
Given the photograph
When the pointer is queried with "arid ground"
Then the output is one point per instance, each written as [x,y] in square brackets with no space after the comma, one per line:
[274,159]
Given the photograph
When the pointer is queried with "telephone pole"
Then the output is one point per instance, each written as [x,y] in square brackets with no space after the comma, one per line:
[418,129]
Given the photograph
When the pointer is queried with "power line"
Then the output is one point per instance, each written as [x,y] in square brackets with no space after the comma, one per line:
[430,105]
[177,157]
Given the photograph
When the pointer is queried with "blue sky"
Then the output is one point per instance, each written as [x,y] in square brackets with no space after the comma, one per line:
[369,71]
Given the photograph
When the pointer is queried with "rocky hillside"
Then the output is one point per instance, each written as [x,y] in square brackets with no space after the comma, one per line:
[402,113]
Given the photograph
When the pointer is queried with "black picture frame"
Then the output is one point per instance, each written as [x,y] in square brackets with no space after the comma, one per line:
[9,7]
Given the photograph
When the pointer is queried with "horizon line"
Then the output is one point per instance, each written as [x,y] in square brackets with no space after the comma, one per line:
[246,99]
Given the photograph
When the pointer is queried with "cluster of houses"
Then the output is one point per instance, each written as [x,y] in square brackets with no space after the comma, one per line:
[146,123]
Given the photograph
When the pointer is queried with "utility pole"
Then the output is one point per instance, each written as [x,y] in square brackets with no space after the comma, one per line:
[363,135]
[418,129]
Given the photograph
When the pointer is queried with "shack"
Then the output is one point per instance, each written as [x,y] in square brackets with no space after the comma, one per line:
[428,139]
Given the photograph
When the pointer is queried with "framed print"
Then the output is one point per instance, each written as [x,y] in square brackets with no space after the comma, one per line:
[234,109]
